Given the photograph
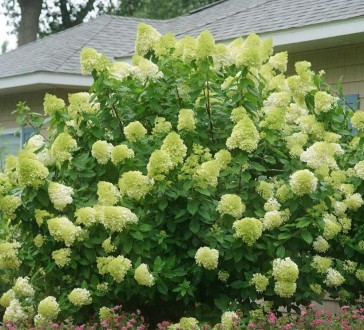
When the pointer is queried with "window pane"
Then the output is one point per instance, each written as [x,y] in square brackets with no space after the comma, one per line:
[9,144]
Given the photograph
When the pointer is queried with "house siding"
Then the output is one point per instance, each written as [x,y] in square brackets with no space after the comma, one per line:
[33,99]
[346,62]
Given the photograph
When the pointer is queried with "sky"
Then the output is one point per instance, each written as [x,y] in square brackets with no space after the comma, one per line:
[4,30]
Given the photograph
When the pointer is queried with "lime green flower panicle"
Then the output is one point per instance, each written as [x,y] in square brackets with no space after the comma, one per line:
[63,230]
[143,276]
[188,323]
[121,70]
[91,60]
[272,219]
[207,258]
[9,255]
[186,49]
[118,268]
[147,38]
[146,69]
[285,272]
[207,174]
[7,297]
[248,229]
[320,244]
[321,264]
[60,195]
[251,55]
[222,57]
[260,282]
[334,278]
[62,147]
[265,189]
[279,61]
[38,240]
[15,312]
[285,289]
[31,172]
[101,151]
[205,45]
[324,102]
[85,216]
[62,257]
[108,194]
[81,103]
[52,104]
[186,120]
[80,297]
[134,131]
[23,288]
[223,157]
[357,120]
[232,205]
[161,126]
[238,114]
[8,205]
[135,185]
[174,146]
[116,218]
[120,153]
[353,201]
[303,182]
[108,246]
[244,136]
[165,45]
[159,165]
[49,308]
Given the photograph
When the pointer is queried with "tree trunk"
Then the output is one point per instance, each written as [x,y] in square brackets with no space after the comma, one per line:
[28,28]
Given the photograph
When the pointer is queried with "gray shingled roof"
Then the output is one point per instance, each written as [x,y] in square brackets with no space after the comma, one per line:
[114,35]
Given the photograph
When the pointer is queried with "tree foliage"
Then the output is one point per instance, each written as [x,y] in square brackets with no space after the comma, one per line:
[197,180]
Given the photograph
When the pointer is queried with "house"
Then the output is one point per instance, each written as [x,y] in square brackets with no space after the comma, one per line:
[328,33]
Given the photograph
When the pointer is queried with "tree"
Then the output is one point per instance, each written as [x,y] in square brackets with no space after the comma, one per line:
[31,18]
[40,17]
[159,9]
[28,27]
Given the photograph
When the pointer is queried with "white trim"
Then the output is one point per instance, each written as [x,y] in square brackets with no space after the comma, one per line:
[46,78]
[318,32]
[314,32]
[7,131]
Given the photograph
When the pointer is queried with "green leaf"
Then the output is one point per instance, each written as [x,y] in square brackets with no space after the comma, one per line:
[194,226]
[280,253]
[127,245]
[192,206]
[304,222]
[307,236]
[43,197]
[90,254]
[137,235]
[285,235]
[257,167]
[94,280]
[162,287]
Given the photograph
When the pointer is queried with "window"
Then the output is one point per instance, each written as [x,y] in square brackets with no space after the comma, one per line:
[13,139]
[352,100]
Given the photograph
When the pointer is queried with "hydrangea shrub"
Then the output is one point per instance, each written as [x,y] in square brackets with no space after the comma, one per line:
[195,181]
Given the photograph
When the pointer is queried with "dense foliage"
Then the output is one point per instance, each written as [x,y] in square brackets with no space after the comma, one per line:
[195,181]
